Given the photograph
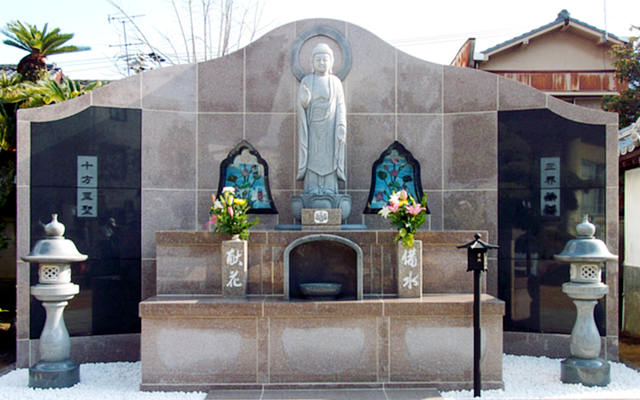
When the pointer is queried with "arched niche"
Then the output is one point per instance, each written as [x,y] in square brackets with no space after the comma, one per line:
[394,170]
[323,258]
[248,173]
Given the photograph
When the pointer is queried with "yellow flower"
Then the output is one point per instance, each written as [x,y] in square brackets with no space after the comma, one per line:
[240,201]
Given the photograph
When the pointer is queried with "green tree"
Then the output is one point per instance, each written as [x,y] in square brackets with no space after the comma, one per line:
[39,44]
[32,87]
[627,103]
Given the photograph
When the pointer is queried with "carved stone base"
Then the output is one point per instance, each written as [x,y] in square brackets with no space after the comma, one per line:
[410,270]
[54,375]
[234,268]
[589,372]
[320,201]
[321,220]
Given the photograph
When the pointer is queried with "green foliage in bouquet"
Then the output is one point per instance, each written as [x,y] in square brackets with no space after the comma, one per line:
[406,214]
[229,214]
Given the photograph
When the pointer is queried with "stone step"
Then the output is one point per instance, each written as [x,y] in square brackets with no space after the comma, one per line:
[325,394]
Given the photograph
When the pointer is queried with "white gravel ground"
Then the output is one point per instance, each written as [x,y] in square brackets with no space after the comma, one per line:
[539,378]
[524,378]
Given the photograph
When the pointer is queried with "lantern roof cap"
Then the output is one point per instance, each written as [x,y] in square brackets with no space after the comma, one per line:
[586,247]
[478,244]
[54,248]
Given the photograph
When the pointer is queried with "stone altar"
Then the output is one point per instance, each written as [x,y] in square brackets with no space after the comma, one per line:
[194,339]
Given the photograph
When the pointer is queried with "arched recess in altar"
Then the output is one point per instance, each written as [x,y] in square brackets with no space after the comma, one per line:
[327,259]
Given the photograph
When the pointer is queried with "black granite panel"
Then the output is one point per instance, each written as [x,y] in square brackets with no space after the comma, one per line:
[551,171]
[110,279]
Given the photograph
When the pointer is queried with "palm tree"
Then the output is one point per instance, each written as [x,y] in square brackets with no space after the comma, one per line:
[39,44]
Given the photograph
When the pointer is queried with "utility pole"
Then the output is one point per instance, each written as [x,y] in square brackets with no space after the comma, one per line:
[125,20]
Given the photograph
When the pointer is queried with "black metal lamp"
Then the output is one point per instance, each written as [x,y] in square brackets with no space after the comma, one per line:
[477,262]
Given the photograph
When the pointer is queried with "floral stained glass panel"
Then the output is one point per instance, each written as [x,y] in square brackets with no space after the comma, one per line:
[396,169]
[247,172]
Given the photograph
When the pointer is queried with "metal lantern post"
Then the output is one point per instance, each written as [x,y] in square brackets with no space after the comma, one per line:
[586,255]
[54,254]
[477,262]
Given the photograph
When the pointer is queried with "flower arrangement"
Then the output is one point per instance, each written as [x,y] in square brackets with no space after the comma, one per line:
[229,214]
[406,214]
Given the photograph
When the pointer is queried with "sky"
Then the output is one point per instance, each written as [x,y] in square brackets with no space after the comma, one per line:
[432,30]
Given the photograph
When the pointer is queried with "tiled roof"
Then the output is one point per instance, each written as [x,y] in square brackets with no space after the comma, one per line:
[563,17]
[629,138]
[10,69]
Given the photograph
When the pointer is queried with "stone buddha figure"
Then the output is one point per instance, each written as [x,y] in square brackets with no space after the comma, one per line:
[322,134]
[322,126]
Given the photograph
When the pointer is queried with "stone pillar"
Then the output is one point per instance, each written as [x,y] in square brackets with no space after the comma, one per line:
[234,268]
[409,270]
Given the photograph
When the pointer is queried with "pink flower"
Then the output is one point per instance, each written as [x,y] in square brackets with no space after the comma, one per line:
[394,173]
[379,196]
[394,207]
[230,211]
[415,209]
[394,159]
[403,195]
[212,221]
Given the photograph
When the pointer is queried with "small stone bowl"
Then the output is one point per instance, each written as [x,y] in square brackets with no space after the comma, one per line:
[320,291]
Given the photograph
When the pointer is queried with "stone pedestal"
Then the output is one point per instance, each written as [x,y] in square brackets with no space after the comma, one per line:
[584,366]
[589,372]
[410,270]
[55,369]
[234,268]
[320,201]
[321,219]
[56,374]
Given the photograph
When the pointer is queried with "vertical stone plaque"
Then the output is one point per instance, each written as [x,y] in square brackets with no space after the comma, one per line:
[234,268]
[410,270]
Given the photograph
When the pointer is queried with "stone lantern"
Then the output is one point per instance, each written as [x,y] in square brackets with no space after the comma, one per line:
[586,255]
[54,254]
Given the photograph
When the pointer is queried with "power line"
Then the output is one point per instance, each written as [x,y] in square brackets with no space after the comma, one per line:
[454,37]
[84,62]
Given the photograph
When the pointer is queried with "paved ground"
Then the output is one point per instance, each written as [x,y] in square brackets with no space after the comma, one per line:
[354,394]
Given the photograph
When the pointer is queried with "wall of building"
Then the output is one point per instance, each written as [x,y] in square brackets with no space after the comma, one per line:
[556,51]
[632,252]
